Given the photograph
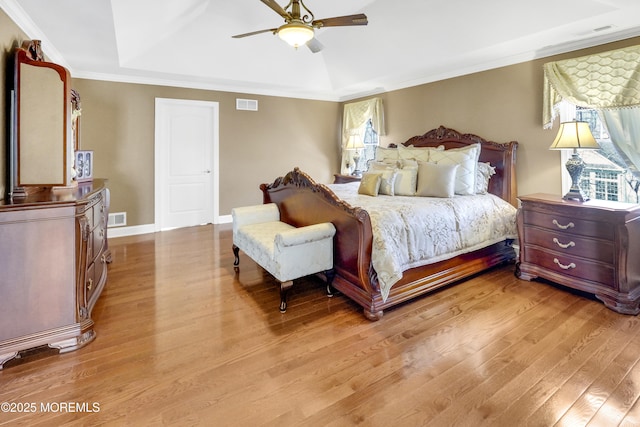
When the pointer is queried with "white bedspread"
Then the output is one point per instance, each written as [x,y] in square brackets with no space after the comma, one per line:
[410,232]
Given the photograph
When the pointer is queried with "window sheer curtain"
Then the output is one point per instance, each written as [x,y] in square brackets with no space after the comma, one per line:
[355,115]
[608,82]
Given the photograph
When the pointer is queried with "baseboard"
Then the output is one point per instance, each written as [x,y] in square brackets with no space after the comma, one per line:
[225,219]
[151,228]
[131,231]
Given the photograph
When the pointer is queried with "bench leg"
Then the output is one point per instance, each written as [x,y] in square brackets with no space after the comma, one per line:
[284,289]
[236,254]
[330,274]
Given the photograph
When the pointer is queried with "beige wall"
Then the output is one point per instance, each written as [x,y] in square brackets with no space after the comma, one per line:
[503,104]
[118,123]
[255,147]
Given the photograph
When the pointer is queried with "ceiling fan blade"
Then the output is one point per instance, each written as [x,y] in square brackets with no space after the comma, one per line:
[239,36]
[341,21]
[277,8]
[314,45]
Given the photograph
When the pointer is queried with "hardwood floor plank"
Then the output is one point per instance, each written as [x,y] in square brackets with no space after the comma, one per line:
[620,331]
[184,339]
[594,397]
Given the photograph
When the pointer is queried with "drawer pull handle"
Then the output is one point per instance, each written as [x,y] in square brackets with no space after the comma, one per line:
[564,227]
[562,266]
[563,245]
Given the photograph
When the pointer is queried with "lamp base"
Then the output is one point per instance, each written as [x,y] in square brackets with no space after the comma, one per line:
[575,165]
[576,194]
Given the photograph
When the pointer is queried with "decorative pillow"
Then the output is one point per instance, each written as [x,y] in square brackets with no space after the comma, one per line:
[406,181]
[436,180]
[408,162]
[467,158]
[388,177]
[383,154]
[370,184]
[484,171]
[420,154]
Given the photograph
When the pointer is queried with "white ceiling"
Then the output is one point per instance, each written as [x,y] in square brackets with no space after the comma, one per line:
[188,42]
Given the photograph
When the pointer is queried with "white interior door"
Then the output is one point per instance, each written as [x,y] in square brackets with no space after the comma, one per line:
[186,162]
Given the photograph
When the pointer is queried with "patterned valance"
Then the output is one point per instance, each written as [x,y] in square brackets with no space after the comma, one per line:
[601,81]
[356,114]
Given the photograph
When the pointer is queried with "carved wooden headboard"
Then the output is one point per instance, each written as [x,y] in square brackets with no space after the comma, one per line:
[501,156]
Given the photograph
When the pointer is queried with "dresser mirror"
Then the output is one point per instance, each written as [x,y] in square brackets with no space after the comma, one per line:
[42,142]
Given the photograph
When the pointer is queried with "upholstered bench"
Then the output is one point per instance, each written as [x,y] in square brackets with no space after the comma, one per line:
[285,251]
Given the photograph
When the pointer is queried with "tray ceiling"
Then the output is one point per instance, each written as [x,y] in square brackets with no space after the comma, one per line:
[188,42]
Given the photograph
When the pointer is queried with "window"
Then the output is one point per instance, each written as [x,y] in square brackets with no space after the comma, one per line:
[370,140]
[362,119]
[605,176]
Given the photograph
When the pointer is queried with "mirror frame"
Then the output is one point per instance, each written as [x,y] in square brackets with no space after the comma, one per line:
[35,138]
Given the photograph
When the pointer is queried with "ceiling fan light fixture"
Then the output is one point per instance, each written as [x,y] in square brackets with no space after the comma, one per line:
[295,33]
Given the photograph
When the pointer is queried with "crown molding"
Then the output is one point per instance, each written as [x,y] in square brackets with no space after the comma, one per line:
[13,9]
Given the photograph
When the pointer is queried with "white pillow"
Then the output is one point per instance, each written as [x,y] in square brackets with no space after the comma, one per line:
[384,154]
[406,181]
[408,162]
[484,171]
[436,180]
[467,159]
[388,177]
[420,154]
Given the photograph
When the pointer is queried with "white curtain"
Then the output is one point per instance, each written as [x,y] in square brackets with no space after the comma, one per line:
[608,82]
[624,128]
[355,115]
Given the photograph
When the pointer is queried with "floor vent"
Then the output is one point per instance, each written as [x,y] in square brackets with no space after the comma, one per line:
[246,104]
[117,219]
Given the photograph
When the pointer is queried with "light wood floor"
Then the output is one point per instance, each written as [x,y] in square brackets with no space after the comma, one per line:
[182,340]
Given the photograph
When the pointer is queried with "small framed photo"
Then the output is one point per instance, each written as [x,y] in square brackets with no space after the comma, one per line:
[84,165]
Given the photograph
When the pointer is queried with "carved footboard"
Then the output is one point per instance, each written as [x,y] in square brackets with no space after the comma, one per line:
[302,202]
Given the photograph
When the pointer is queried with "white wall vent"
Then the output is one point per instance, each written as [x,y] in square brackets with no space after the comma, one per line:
[117,219]
[246,104]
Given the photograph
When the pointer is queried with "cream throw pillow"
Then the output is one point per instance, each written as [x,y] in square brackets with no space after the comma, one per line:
[370,184]
[387,181]
[436,180]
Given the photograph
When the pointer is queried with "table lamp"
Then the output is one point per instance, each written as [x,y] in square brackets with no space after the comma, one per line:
[575,135]
[355,144]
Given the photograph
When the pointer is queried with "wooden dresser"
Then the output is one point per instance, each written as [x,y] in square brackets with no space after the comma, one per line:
[53,258]
[592,246]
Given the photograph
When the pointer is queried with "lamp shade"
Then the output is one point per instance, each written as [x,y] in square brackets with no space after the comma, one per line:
[354,143]
[574,134]
[295,33]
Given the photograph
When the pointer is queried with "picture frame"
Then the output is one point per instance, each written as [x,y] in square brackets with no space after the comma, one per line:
[84,165]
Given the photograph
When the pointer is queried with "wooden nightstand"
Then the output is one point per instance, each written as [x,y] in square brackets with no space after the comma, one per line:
[592,246]
[343,179]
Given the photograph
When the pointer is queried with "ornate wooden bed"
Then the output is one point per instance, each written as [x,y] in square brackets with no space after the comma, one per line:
[302,202]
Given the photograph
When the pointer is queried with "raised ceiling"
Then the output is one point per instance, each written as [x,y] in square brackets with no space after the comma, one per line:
[188,42]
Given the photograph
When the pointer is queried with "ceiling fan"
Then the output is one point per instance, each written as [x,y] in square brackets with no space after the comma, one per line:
[300,23]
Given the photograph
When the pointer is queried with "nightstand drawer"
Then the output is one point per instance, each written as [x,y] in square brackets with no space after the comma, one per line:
[570,244]
[571,266]
[569,224]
